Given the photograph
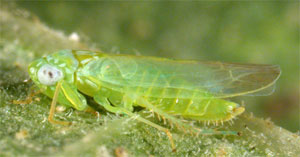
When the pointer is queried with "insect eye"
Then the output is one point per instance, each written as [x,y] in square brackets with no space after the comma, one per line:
[49,75]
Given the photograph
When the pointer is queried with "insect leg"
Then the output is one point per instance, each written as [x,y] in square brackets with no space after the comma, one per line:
[28,100]
[137,117]
[106,104]
[52,108]
[128,103]
[181,125]
[172,119]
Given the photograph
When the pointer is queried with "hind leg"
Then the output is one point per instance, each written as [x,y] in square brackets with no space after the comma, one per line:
[179,123]
[106,104]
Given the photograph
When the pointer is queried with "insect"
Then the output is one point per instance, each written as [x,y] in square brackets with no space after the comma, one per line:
[170,88]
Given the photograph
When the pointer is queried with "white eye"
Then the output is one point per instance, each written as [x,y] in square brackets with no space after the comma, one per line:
[49,75]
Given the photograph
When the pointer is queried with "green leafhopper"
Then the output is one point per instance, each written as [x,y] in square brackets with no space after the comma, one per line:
[170,88]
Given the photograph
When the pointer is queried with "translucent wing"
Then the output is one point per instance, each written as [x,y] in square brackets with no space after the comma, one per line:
[217,79]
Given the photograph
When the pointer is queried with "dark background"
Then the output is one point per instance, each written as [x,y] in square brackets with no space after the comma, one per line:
[243,32]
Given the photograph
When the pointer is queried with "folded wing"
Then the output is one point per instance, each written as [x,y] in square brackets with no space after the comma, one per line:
[217,79]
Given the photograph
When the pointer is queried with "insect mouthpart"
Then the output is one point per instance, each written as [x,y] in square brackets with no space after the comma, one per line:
[49,75]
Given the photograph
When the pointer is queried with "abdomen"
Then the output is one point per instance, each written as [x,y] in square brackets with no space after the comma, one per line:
[204,109]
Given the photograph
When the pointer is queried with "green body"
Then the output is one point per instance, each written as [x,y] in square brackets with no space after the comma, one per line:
[191,89]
